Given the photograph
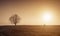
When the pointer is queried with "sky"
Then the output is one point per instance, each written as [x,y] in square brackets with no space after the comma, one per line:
[31,12]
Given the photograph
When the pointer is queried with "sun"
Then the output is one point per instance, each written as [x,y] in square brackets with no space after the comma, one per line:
[47,17]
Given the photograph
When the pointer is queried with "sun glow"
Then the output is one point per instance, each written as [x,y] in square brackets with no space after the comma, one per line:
[47,17]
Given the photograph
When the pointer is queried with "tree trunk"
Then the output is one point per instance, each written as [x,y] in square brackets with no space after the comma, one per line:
[15,24]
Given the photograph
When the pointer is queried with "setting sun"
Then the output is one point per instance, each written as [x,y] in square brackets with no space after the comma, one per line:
[47,16]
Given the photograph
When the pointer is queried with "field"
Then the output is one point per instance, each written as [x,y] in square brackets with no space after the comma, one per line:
[30,30]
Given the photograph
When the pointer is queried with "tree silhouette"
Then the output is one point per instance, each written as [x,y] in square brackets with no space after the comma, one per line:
[14,19]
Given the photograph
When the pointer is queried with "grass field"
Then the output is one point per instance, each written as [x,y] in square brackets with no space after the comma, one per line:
[30,30]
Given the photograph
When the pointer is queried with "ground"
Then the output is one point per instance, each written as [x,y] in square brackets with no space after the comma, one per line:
[30,30]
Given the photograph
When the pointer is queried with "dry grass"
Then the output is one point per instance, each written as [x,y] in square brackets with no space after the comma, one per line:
[30,30]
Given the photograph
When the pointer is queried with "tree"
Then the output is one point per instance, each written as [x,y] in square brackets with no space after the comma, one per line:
[14,19]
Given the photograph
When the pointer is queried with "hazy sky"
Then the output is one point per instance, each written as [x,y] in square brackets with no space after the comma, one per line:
[30,12]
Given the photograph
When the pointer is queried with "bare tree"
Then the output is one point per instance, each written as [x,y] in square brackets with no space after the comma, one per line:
[14,19]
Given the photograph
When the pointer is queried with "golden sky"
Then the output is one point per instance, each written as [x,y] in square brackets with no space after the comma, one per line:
[31,12]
